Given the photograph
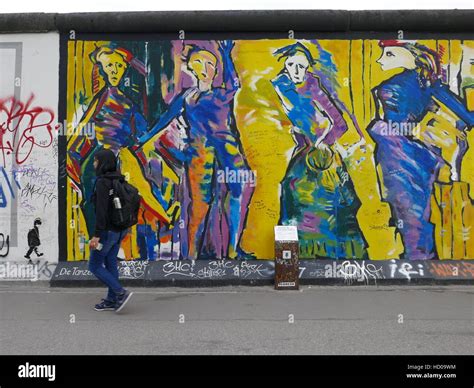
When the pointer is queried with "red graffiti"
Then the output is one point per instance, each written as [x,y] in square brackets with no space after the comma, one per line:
[22,127]
[462,269]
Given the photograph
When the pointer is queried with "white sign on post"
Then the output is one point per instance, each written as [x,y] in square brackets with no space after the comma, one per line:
[286,233]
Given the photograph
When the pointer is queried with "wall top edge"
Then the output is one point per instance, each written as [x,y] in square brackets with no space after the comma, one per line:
[456,20]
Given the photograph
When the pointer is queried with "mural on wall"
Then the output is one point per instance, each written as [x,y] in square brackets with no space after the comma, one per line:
[361,144]
[28,145]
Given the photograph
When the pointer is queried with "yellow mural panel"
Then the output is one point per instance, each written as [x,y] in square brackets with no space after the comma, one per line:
[341,188]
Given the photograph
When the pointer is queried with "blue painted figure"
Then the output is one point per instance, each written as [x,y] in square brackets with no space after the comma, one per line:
[409,167]
[217,211]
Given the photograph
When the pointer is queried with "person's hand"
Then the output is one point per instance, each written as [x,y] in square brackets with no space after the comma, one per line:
[94,242]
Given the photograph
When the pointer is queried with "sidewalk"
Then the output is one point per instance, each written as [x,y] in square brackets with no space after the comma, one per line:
[240,320]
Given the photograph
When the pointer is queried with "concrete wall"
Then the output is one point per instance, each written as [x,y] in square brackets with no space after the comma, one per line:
[366,192]
[29,148]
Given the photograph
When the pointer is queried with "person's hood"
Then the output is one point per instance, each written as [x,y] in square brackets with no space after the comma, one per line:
[107,162]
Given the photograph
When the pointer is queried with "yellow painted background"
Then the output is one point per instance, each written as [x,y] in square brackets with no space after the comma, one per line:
[267,142]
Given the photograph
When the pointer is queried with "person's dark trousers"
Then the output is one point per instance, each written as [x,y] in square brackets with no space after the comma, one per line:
[103,263]
[30,251]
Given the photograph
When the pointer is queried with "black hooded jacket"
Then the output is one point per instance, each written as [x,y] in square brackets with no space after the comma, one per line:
[33,237]
[106,172]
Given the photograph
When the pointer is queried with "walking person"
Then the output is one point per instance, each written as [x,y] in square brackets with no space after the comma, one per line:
[105,243]
[33,241]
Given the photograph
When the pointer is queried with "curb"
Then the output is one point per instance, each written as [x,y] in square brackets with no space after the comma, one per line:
[261,273]
[40,283]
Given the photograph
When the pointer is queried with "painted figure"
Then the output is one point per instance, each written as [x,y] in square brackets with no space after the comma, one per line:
[216,211]
[317,193]
[409,166]
[117,124]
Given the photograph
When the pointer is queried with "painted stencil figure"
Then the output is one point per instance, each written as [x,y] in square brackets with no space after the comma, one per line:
[216,212]
[317,194]
[409,167]
[34,240]
[118,124]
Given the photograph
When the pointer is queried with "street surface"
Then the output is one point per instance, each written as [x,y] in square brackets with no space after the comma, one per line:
[36,319]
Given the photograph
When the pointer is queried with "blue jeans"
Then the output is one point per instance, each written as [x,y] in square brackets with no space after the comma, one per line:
[103,263]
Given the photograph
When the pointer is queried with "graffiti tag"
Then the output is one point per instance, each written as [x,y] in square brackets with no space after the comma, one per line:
[247,269]
[405,269]
[213,269]
[23,127]
[4,245]
[359,271]
[445,270]
[133,270]
[33,191]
